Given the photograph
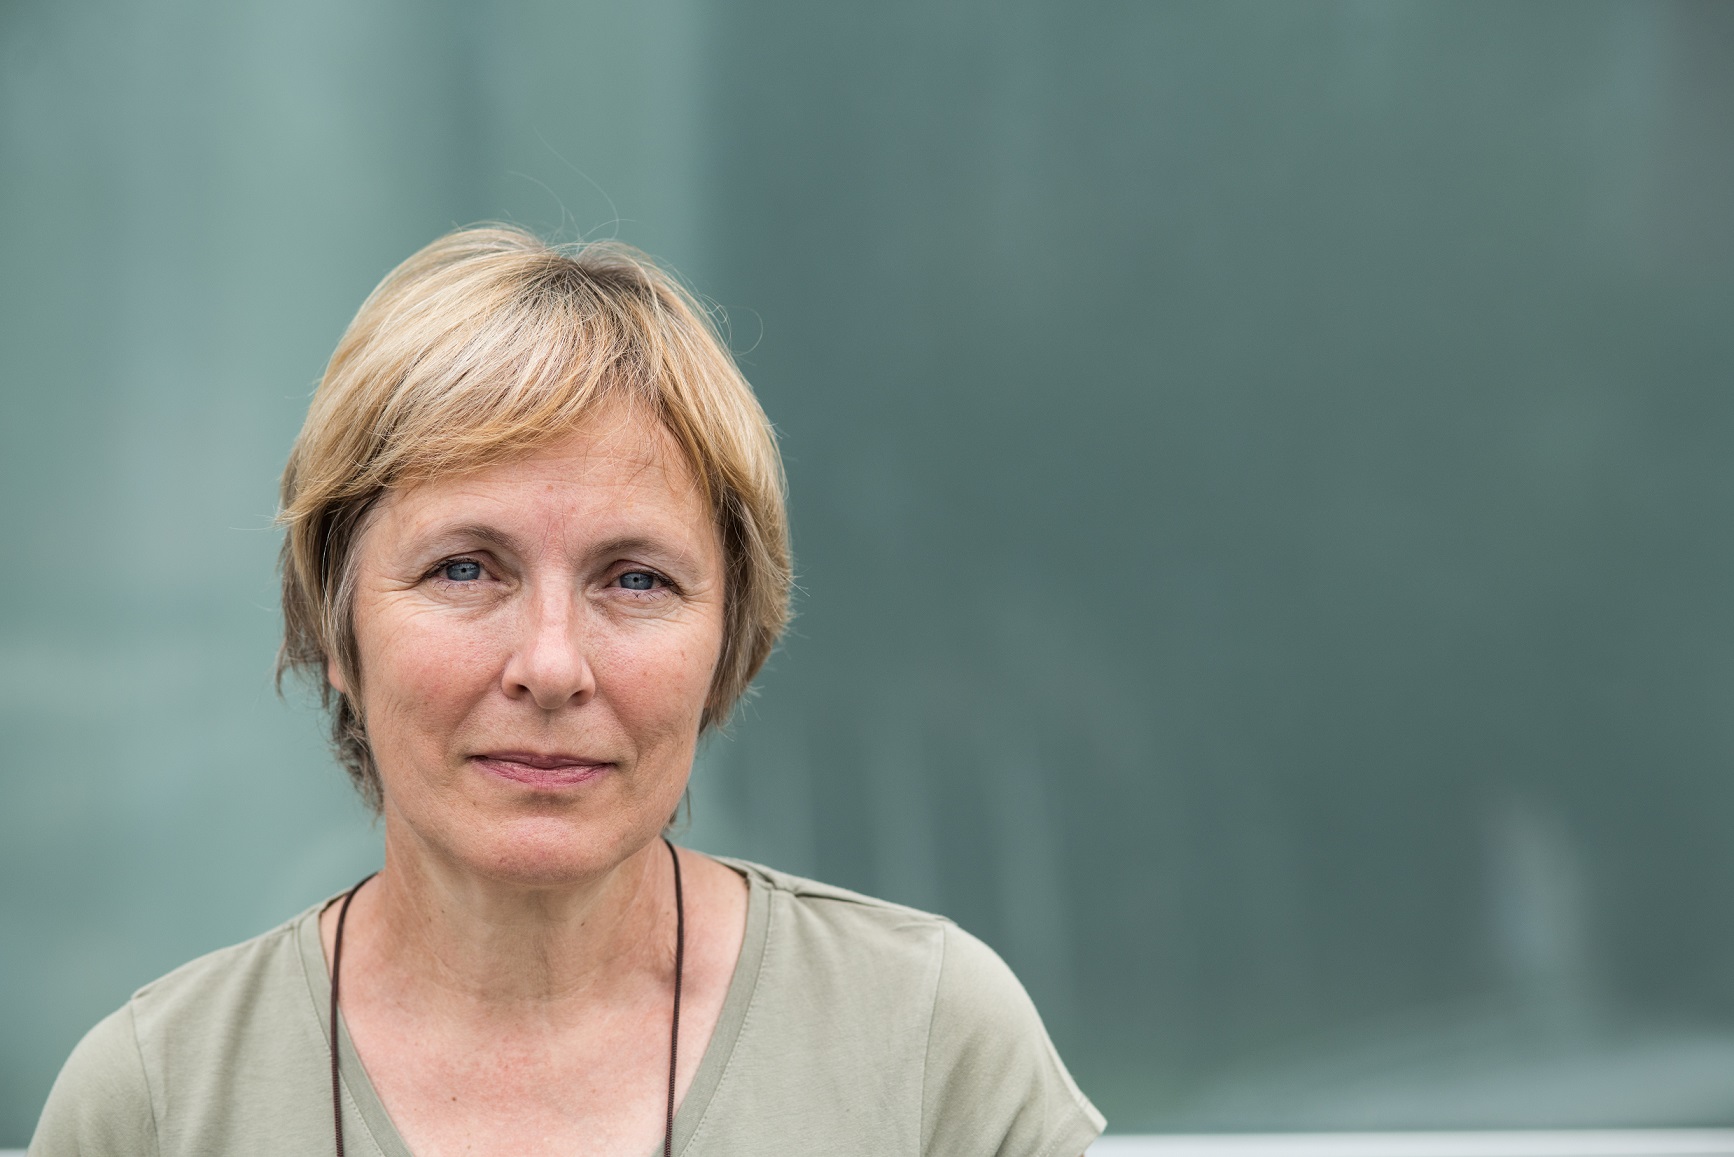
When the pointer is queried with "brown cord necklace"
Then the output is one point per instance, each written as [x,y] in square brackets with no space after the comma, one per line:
[673,1031]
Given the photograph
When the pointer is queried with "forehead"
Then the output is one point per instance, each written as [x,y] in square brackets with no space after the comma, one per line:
[619,463]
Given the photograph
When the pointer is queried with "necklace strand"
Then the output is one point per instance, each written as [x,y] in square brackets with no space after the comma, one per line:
[674,1019]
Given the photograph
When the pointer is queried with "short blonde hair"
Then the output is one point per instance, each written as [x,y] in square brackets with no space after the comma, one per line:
[482,347]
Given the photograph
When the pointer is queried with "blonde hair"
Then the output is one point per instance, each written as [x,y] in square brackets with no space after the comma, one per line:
[486,345]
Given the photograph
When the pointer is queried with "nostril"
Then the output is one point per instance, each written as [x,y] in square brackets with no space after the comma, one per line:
[552,680]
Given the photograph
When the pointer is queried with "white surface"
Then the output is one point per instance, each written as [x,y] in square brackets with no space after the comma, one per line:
[1537,1143]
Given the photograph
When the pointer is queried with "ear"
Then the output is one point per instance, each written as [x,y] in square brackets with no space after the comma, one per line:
[334,676]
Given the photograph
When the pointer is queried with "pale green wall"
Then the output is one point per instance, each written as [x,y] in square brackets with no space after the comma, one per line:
[1261,476]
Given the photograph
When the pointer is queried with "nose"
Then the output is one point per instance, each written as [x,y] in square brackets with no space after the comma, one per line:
[548,664]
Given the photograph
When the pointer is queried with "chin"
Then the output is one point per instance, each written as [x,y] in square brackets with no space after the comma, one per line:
[548,851]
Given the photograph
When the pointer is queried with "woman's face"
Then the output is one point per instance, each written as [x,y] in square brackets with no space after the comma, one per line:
[536,646]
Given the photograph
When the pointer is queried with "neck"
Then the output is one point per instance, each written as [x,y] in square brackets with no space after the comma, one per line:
[500,945]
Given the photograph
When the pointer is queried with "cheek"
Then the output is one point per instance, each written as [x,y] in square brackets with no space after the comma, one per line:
[663,680]
[418,667]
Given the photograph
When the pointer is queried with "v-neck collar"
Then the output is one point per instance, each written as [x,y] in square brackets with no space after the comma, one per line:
[363,1101]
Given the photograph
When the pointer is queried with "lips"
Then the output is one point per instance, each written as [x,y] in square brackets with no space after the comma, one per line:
[541,770]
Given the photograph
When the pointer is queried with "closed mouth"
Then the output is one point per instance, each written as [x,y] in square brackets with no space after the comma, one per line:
[541,770]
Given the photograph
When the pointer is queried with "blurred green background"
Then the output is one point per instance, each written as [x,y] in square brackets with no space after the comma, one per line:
[1261,473]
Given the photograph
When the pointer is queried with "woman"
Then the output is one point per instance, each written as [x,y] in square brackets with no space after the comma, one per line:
[536,544]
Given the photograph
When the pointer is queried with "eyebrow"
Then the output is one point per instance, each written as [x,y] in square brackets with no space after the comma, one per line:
[634,544]
[638,544]
[623,544]
[477,533]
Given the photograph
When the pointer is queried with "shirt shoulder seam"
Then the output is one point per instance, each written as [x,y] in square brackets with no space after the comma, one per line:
[215,957]
[144,1075]
[927,1051]
[805,889]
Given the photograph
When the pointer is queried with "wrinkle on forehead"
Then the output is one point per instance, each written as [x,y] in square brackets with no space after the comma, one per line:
[620,431]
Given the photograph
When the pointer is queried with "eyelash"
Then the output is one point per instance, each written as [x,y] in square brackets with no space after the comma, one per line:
[437,574]
[665,583]
[437,571]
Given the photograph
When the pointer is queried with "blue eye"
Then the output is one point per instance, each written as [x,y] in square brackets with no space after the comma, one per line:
[462,571]
[638,580]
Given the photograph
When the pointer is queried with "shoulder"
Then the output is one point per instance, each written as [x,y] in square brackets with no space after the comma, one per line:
[101,1101]
[221,993]
[176,1044]
[968,983]
[834,937]
[839,907]
[992,1071]
[913,994]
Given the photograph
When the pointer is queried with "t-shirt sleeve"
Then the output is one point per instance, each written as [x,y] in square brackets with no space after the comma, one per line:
[994,1086]
[101,1103]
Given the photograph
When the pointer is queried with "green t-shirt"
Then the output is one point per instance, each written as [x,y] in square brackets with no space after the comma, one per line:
[851,1026]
